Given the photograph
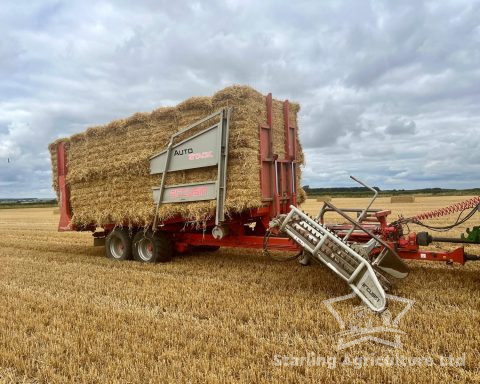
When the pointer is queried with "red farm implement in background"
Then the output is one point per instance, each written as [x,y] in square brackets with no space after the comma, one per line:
[363,251]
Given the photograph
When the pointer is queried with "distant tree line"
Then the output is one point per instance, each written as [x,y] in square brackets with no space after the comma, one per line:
[362,191]
[27,203]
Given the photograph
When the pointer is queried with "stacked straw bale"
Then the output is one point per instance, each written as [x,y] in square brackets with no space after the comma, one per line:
[108,166]
[402,199]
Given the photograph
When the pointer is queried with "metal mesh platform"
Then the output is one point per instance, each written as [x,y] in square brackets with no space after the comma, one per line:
[340,257]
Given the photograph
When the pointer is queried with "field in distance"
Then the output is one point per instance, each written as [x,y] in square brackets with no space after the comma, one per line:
[68,314]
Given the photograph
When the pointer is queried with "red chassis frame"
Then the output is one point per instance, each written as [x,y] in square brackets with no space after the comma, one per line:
[279,191]
[407,246]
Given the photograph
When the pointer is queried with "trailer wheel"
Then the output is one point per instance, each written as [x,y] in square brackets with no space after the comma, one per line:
[149,247]
[118,245]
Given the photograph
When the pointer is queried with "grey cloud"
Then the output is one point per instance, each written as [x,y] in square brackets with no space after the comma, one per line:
[401,126]
[328,123]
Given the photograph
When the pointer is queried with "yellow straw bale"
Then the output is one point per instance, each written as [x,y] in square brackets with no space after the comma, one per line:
[402,199]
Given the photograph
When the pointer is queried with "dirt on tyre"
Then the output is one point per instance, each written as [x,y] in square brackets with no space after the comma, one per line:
[118,245]
[149,247]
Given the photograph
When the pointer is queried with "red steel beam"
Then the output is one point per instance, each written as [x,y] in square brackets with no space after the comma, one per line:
[270,112]
[64,192]
[290,151]
[289,132]
[239,241]
[456,256]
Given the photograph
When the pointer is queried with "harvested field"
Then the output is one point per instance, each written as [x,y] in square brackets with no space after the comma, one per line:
[109,170]
[71,315]
[402,199]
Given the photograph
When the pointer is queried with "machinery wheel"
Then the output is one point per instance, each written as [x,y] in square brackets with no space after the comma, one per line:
[206,248]
[149,247]
[118,245]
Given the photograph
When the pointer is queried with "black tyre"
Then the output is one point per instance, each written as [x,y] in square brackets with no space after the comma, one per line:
[118,245]
[205,248]
[149,247]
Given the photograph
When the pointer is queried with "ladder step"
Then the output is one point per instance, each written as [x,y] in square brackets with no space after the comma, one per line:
[343,260]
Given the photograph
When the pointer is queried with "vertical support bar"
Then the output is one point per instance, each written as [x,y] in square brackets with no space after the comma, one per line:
[294,184]
[276,195]
[284,187]
[266,155]
[290,153]
[270,114]
[162,183]
[222,166]
[290,134]
[286,124]
[64,192]
[265,159]
[273,157]
[276,178]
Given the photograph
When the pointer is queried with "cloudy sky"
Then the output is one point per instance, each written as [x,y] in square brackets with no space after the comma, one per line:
[389,90]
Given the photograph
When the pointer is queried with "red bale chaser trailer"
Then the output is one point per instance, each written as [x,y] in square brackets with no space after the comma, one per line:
[363,251]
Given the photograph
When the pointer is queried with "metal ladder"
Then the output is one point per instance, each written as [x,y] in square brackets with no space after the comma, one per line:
[339,256]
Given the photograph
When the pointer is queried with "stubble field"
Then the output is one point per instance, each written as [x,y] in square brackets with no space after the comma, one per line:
[68,314]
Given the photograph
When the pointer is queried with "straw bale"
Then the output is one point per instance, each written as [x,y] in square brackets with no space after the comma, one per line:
[279,128]
[108,165]
[402,199]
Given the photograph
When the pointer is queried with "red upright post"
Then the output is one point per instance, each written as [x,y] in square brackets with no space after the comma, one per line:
[270,114]
[274,175]
[290,153]
[268,172]
[64,193]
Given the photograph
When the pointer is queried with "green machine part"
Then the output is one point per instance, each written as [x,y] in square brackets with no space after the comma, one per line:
[473,235]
